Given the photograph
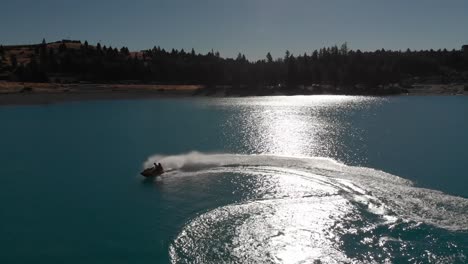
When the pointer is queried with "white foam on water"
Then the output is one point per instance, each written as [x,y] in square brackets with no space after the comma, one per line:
[301,209]
[382,193]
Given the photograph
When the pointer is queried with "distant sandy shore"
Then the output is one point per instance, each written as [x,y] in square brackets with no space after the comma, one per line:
[44,93]
[438,89]
[13,93]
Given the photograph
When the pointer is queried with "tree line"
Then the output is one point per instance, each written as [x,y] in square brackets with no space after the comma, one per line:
[334,66]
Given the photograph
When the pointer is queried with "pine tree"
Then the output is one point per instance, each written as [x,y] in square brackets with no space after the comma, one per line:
[315,55]
[344,49]
[292,80]
[98,47]
[287,54]
[269,58]
[124,51]
[43,55]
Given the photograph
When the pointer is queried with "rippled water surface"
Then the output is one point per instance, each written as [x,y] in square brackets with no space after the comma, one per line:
[302,179]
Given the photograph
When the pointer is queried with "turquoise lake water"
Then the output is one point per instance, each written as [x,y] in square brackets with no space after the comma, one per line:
[254,180]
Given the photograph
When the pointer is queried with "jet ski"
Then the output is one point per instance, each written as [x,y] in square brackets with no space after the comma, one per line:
[155,171]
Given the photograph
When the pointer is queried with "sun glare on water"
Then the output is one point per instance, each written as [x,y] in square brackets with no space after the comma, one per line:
[292,125]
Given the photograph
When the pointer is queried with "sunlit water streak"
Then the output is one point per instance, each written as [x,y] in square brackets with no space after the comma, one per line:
[297,125]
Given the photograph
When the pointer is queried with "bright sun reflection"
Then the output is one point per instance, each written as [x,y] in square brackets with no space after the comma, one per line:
[284,132]
[293,125]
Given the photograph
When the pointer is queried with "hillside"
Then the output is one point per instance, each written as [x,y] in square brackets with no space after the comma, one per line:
[42,62]
[331,70]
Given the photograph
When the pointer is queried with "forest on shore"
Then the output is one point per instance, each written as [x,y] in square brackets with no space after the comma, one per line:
[337,69]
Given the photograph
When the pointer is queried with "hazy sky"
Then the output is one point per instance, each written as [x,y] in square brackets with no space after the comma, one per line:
[253,27]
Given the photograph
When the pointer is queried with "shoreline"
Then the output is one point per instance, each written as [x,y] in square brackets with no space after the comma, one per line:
[12,93]
[45,93]
[55,98]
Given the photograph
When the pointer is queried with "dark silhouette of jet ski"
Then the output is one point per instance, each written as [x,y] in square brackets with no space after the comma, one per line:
[155,171]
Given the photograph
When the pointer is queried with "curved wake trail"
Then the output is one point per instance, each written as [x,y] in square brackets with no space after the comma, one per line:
[307,209]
